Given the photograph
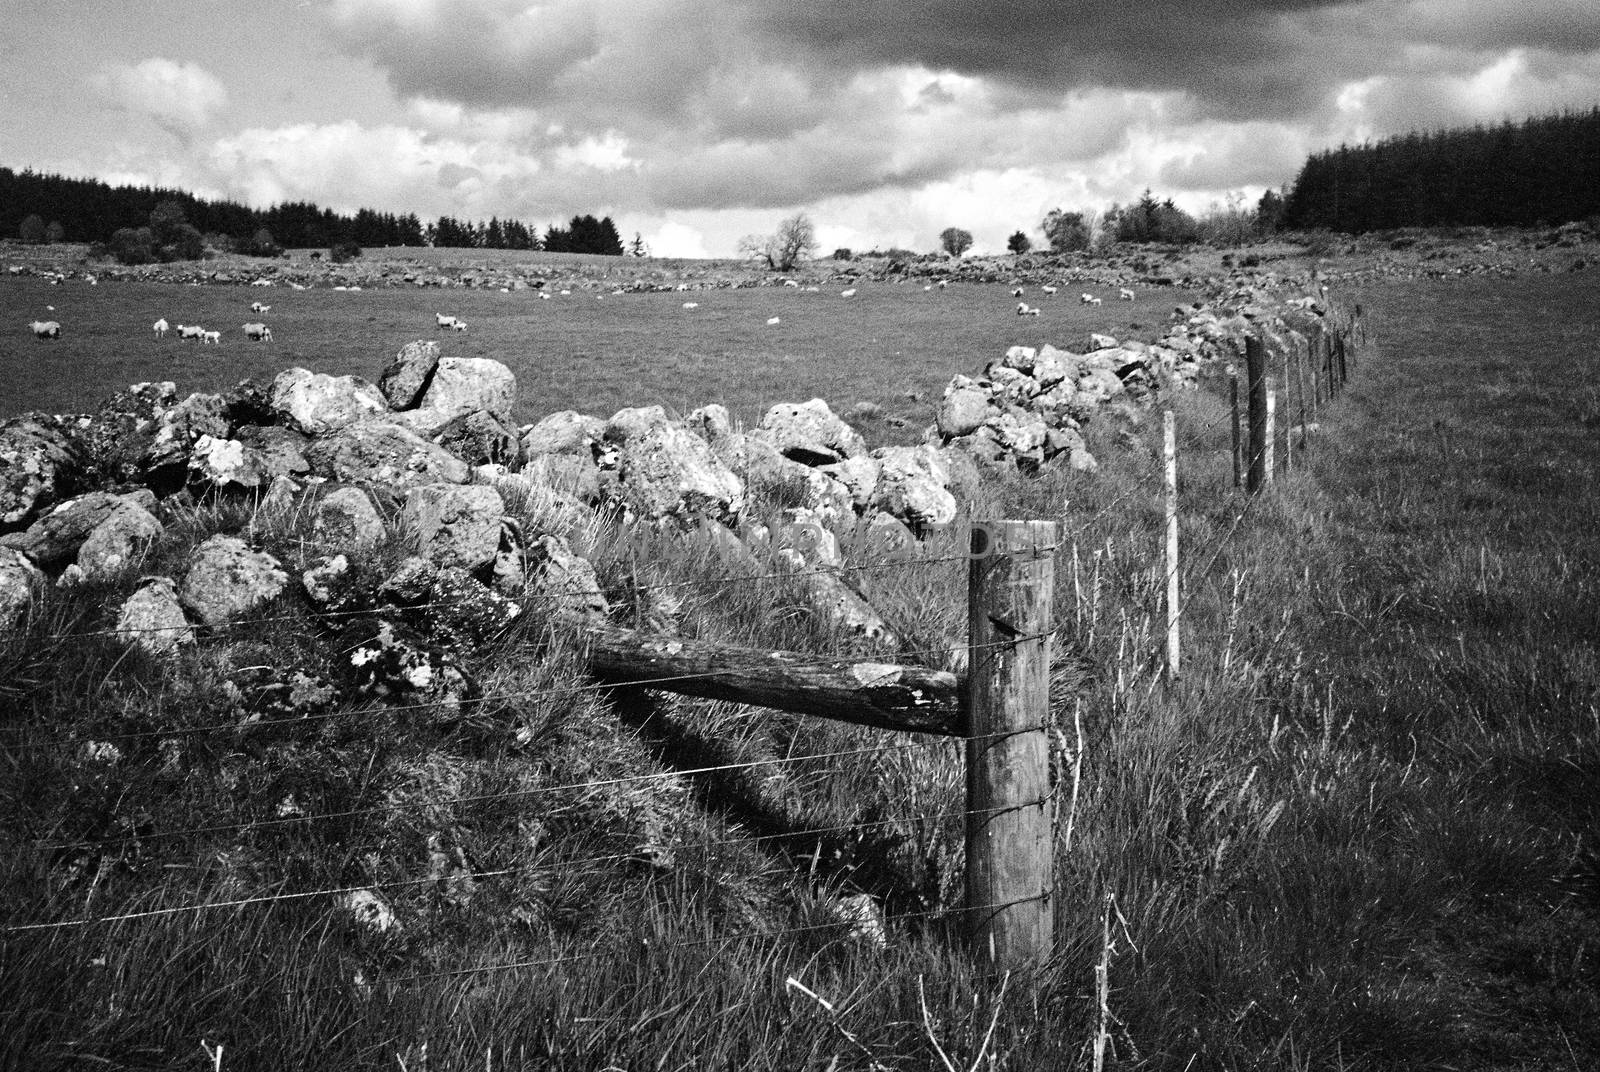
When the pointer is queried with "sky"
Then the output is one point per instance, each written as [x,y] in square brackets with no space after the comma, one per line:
[696,123]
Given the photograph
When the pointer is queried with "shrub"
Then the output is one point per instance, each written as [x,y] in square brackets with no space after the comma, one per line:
[843,254]
[343,251]
[133,245]
[31,230]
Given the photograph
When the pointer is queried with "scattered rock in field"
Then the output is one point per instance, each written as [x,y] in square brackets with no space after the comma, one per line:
[115,542]
[346,520]
[57,536]
[227,580]
[407,376]
[563,432]
[657,468]
[38,464]
[316,403]
[384,453]
[20,581]
[964,407]
[462,385]
[387,659]
[153,618]
[480,438]
[912,486]
[809,433]
[370,912]
[566,580]
[455,525]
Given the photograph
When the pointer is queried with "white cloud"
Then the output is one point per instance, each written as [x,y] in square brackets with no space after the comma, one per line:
[182,97]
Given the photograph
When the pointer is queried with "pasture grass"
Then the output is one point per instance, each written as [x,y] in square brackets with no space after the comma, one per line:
[892,345]
[1356,834]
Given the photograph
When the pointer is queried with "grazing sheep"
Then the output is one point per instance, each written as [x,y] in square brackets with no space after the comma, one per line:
[791,283]
[46,329]
[543,296]
[1085,298]
[1016,292]
[691,305]
[943,283]
[459,325]
[91,280]
[1048,289]
[848,293]
[773,321]
[444,321]
[161,327]
[1024,309]
[258,332]
[190,331]
[1094,301]
[296,286]
[213,338]
[1125,294]
[259,309]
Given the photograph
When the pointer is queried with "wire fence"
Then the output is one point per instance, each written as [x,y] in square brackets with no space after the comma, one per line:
[1188,577]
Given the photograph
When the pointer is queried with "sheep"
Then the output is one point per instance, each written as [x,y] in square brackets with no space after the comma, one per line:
[1048,289]
[848,293]
[792,283]
[543,296]
[1095,301]
[91,280]
[943,283]
[46,329]
[691,305]
[459,325]
[1016,292]
[212,337]
[161,327]
[444,321]
[1125,294]
[1085,298]
[1024,309]
[259,309]
[773,321]
[258,332]
[190,331]
[296,286]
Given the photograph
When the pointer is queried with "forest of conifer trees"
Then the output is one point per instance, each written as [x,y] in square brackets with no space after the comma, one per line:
[1541,171]
[38,207]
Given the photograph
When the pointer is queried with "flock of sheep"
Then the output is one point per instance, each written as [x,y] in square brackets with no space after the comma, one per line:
[258,331]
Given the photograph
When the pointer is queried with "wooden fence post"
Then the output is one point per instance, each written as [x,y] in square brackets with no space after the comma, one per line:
[1270,438]
[1010,848]
[1169,454]
[1338,349]
[1305,420]
[1255,353]
[1288,410]
[1233,393]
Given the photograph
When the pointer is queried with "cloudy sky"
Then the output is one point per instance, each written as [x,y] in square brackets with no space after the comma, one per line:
[694,123]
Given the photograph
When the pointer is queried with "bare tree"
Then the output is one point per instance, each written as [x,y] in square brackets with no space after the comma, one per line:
[795,240]
[955,241]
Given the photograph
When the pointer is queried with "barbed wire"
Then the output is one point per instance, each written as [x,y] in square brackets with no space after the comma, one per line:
[815,660]
[566,866]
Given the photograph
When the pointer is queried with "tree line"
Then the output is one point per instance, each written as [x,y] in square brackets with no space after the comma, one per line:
[41,208]
[1543,170]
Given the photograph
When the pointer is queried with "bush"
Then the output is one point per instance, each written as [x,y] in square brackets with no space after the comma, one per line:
[133,245]
[843,254]
[344,251]
[31,230]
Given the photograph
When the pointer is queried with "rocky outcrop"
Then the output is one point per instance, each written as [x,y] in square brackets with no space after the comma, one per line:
[406,377]
[459,386]
[809,433]
[55,538]
[346,520]
[153,618]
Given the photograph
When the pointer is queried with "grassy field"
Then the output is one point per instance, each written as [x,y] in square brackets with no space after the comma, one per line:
[1358,834]
[591,351]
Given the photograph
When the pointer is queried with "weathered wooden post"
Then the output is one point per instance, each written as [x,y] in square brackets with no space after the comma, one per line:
[1255,355]
[1338,349]
[1300,384]
[1010,851]
[1233,395]
[1288,409]
[1169,454]
[1268,440]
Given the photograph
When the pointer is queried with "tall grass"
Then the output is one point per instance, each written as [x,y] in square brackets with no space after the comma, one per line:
[1355,834]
